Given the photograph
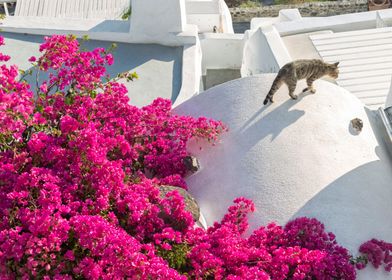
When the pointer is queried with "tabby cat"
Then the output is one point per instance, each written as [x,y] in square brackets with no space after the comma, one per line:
[309,69]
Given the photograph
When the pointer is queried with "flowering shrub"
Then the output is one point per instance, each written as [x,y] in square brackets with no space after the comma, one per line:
[301,250]
[80,171]
[73,165]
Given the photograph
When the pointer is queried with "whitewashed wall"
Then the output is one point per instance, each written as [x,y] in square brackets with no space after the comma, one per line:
[221,51]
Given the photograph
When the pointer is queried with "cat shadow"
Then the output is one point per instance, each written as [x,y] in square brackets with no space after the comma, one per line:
[260,126]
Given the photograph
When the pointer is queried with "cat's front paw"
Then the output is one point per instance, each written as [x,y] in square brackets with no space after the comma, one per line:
[313,90]
[294,96]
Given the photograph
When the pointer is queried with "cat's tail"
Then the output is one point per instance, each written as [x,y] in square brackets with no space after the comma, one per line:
[274,88]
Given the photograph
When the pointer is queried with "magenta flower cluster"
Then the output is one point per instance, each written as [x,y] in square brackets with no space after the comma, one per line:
[80,171]
[300,250]
[378,253]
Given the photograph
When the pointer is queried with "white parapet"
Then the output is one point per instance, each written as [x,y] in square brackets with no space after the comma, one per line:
[264,52]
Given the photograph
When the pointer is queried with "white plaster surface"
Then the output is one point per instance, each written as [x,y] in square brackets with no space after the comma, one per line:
[295,158]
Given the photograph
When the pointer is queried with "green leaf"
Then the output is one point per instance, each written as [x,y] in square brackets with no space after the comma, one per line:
[85,38]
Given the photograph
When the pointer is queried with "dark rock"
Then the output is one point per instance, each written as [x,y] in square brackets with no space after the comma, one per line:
[191,164]
[190,203]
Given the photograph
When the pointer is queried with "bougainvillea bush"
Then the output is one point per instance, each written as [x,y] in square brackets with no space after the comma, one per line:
[80,171]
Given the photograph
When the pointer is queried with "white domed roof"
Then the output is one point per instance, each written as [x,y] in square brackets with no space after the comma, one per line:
[295,158]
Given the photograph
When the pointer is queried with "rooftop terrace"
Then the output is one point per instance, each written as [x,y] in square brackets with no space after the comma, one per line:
[365,61]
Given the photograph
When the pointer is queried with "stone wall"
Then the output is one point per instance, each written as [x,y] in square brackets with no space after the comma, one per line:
[314,9]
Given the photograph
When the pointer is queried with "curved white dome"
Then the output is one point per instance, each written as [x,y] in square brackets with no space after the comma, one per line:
[295,158]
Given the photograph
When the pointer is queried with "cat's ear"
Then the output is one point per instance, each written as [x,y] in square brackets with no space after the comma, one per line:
[336,64]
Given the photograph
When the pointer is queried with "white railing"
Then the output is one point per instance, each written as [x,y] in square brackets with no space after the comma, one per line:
[5,5]
[107,9]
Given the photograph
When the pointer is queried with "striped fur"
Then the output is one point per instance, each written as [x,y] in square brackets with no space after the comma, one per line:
[309,69]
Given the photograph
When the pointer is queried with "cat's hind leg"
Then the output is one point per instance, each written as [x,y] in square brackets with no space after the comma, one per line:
[292,85]
[274,88]
[278,85]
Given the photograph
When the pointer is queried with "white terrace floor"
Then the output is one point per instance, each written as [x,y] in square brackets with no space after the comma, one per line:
[365,61]
[159,67]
